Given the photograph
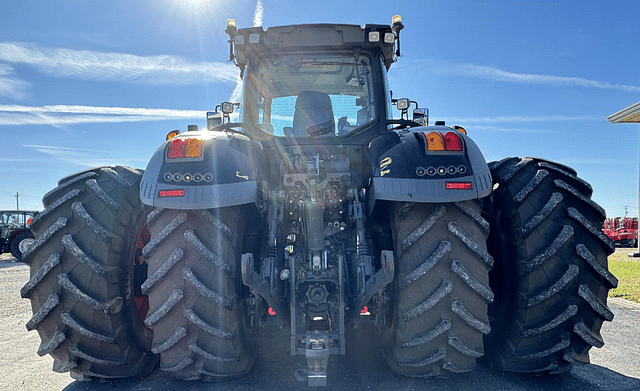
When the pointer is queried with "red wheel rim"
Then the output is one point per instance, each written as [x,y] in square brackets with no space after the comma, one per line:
[138,270]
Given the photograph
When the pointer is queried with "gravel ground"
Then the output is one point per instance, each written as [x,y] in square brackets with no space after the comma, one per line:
[20,367]
[614,367]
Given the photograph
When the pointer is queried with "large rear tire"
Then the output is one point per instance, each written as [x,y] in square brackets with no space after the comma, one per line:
[83,267]
[436,310]
[551,278]
[198,305]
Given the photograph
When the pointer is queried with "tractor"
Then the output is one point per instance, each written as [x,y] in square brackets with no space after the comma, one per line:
[317,205]
[15,236]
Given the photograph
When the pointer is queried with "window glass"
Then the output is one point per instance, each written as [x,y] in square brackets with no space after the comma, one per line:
[309,95]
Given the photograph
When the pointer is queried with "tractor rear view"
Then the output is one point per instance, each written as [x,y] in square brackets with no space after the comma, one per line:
[319,205]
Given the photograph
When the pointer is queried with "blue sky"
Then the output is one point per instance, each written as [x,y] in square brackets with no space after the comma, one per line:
[88,83]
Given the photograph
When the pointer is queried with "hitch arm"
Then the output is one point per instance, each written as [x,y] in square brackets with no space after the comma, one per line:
[261,287]
[378,281]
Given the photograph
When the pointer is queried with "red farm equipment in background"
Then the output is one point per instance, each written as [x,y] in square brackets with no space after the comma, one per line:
[622,230]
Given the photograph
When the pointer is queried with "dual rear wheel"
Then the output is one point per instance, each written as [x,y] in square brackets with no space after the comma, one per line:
[115,285]
[82,284]
[539,309]
[551,279]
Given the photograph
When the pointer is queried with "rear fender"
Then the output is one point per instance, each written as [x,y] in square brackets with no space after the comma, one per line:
[223,174]
[403,170]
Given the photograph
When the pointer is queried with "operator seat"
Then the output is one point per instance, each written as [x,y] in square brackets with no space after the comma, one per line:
[313,115]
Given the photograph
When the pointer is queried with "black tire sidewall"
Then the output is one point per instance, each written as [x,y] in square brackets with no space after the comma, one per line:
[15,243]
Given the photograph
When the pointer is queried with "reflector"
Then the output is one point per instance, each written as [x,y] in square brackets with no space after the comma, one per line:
[172,193]
[458,186]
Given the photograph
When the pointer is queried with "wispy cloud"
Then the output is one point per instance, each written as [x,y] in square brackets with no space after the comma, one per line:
[118,67]
[58,115]
[514,124]
[10,86]
[520,119]
[496,74]
[236,95]
[257,16]
[84,156]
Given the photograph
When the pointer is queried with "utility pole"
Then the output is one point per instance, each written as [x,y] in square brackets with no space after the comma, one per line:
[17,201]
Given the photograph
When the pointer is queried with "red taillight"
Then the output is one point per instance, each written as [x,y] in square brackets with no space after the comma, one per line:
[452,142]
[176,148]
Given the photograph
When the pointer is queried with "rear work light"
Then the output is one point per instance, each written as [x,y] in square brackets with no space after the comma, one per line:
[185,148]
[450,141]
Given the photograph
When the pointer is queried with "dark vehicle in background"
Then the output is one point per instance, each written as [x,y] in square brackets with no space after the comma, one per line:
[15,236]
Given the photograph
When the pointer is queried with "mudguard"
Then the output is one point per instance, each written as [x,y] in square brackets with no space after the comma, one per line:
[404,170]
[202,170]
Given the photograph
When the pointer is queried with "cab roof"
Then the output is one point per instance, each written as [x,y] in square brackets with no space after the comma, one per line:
[256,41]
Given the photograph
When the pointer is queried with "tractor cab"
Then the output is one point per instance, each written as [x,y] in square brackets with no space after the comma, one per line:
[310,81]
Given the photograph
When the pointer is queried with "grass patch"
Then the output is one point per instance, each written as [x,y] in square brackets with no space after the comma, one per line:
[627,271]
